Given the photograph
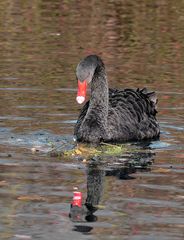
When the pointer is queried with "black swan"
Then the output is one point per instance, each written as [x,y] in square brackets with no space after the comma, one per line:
[112,115]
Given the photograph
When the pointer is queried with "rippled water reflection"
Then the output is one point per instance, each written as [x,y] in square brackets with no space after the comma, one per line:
[139,195]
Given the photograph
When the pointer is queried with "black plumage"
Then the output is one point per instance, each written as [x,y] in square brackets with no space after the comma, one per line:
[113,115]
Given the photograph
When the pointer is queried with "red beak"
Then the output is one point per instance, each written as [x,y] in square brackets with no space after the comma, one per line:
[81,94]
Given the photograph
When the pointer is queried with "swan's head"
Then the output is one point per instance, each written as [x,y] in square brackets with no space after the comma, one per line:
[84,72]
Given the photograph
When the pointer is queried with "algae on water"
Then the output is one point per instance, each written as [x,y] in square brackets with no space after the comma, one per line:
[87,151]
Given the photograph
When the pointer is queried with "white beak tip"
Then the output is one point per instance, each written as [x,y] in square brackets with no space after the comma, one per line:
[80,99]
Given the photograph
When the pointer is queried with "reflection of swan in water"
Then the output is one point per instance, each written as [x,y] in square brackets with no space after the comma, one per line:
[95,180]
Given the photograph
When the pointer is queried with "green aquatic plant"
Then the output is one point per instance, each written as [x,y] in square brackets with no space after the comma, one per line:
[87,151]
[111,149]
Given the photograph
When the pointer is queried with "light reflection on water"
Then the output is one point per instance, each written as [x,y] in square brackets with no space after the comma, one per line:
[142,45]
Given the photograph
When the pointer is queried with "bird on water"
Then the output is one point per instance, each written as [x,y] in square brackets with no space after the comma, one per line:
[112,115]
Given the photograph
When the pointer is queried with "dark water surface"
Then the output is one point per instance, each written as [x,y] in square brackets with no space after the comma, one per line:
[41,42]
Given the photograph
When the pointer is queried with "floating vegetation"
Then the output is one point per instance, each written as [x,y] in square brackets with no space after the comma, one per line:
[88,151]
[110,156]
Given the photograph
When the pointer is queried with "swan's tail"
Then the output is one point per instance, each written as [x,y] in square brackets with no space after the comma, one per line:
[150,95]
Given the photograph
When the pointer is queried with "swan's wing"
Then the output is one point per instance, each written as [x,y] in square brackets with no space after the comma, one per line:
[139,101]
[132,113]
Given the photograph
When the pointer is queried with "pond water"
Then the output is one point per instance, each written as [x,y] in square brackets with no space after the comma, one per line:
[138,195]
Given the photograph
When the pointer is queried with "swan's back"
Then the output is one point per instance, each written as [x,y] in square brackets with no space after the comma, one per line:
[131,116]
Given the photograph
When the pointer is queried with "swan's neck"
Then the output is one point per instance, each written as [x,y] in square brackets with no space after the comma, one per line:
[99,100]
